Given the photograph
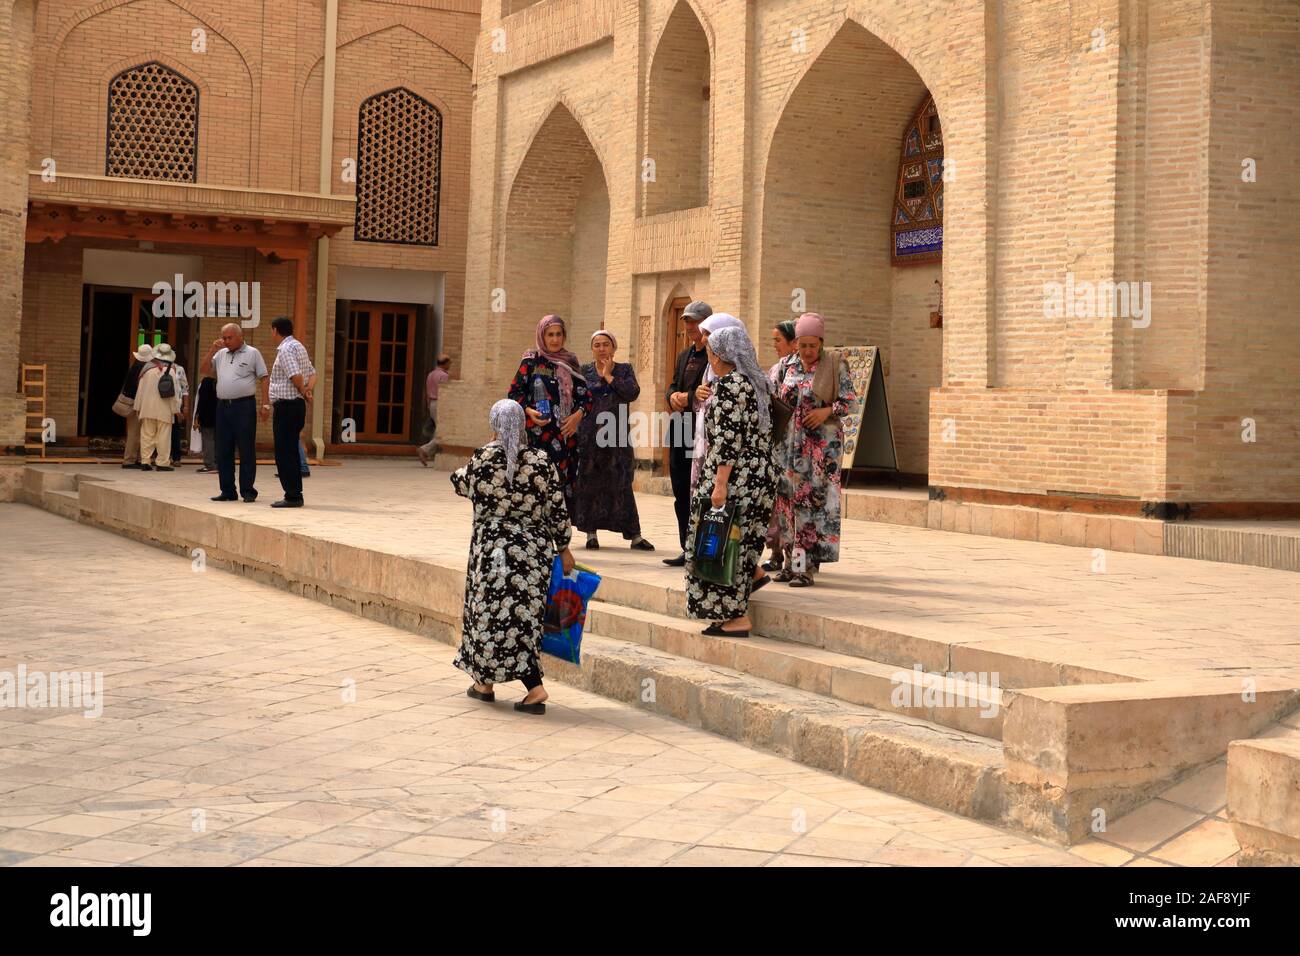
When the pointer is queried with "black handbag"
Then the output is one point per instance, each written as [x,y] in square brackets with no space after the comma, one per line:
[780,412]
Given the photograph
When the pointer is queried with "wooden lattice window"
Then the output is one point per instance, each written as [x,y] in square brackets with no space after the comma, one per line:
[399,159]
[917,234]
[153,125]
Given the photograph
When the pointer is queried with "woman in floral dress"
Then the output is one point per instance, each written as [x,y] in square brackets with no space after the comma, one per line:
[783,342]
[817,384]
[602,495]
[520,523]
[738,470]
[559,373]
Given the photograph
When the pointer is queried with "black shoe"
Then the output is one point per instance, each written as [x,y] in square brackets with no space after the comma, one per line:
[287,503]
[248,500]
[641,545]
[760,583]
[205,470]
[593,544]
[713,630]
[224,498]
[677,562]
[130,464]
[164,468]
[489,697]
[530,708]
[146,467]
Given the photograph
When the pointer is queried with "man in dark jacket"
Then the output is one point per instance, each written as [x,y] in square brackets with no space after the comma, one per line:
[687,376]
[140,359]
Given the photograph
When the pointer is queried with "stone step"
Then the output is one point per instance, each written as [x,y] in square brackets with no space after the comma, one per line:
[940,767]
[800,618]
[948,701]
[64,503]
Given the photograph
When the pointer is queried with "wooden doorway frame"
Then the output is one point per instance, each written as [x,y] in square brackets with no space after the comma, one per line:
[374,346]
[674,337]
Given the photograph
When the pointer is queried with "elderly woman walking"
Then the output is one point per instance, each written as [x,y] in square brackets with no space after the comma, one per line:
[602,494]
[817,384]
[738,470]
[520,524]
[550,387]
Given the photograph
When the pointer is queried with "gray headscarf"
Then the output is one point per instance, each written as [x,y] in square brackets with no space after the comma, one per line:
[507,420]
[733,346]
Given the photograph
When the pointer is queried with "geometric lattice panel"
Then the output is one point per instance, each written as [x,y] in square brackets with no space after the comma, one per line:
[153,125]
[917,218]
[399,159]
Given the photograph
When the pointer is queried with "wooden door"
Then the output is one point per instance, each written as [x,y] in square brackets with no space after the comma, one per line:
[377,370]
[150,329]
[674,341]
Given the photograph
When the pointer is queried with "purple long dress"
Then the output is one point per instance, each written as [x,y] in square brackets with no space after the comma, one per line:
[602,499]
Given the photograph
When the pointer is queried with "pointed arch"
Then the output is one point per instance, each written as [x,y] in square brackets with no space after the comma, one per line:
[556,236]
[679,116]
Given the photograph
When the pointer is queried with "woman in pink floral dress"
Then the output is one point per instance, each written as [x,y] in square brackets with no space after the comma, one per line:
[817,384]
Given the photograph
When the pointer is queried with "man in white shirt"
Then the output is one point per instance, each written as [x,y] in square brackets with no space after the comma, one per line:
[238,368]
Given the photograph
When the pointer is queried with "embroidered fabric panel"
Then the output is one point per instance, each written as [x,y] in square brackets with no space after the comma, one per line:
[917,224]
[399,160]
[153,125]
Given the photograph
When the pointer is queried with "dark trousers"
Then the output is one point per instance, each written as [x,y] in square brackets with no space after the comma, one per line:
[679,470]
[237,430]
[287,418]
[177,428]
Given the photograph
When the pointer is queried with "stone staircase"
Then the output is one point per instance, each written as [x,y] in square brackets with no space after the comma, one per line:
[1037,745]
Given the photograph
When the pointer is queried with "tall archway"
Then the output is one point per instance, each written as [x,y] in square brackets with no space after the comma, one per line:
[678,117]
[830,187]
[556,239]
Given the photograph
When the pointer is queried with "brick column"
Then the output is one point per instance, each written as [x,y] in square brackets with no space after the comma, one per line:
[16,26]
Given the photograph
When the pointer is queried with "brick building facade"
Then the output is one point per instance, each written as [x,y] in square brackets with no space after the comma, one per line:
[1084,143]
[628,155]
[314,148]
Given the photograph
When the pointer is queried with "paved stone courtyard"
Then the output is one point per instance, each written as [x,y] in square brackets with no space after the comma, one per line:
[226,740]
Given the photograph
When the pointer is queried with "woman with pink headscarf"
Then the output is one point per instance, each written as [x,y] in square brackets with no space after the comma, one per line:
[817,385]
[550,386]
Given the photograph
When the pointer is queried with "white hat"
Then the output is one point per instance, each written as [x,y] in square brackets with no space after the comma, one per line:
[164,353]
[144,353]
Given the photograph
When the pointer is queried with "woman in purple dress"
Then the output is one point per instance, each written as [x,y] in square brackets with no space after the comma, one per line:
[602,495]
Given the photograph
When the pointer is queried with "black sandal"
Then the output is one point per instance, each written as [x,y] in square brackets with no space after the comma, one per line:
[714,630]
[761,582]
[538,708]
[489,697]
[642,545]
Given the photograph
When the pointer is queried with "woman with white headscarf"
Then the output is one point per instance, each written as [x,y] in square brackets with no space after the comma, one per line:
[738,470]
[520,523]
[703,394]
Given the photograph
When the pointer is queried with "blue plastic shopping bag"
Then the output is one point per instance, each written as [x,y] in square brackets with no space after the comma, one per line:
[566,610]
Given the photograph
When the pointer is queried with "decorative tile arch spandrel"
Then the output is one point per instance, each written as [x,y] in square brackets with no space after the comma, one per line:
[917,221]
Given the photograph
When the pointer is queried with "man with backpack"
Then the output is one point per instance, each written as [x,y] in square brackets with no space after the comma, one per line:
[157,402]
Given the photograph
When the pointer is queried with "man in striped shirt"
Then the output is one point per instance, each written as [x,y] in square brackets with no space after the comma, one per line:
[289,393]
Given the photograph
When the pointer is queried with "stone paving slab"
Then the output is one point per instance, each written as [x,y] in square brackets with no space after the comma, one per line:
[1139,615]
[229,738]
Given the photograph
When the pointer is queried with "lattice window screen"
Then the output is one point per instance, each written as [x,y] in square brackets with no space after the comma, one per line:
[153,125]
[399,158]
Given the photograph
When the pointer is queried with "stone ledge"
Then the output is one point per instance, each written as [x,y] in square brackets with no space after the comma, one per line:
[1264,800]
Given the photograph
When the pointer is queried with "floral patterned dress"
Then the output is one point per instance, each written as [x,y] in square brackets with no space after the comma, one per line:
[602,496]
[808,494]
[519,526]
[736,435]
[562,451]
